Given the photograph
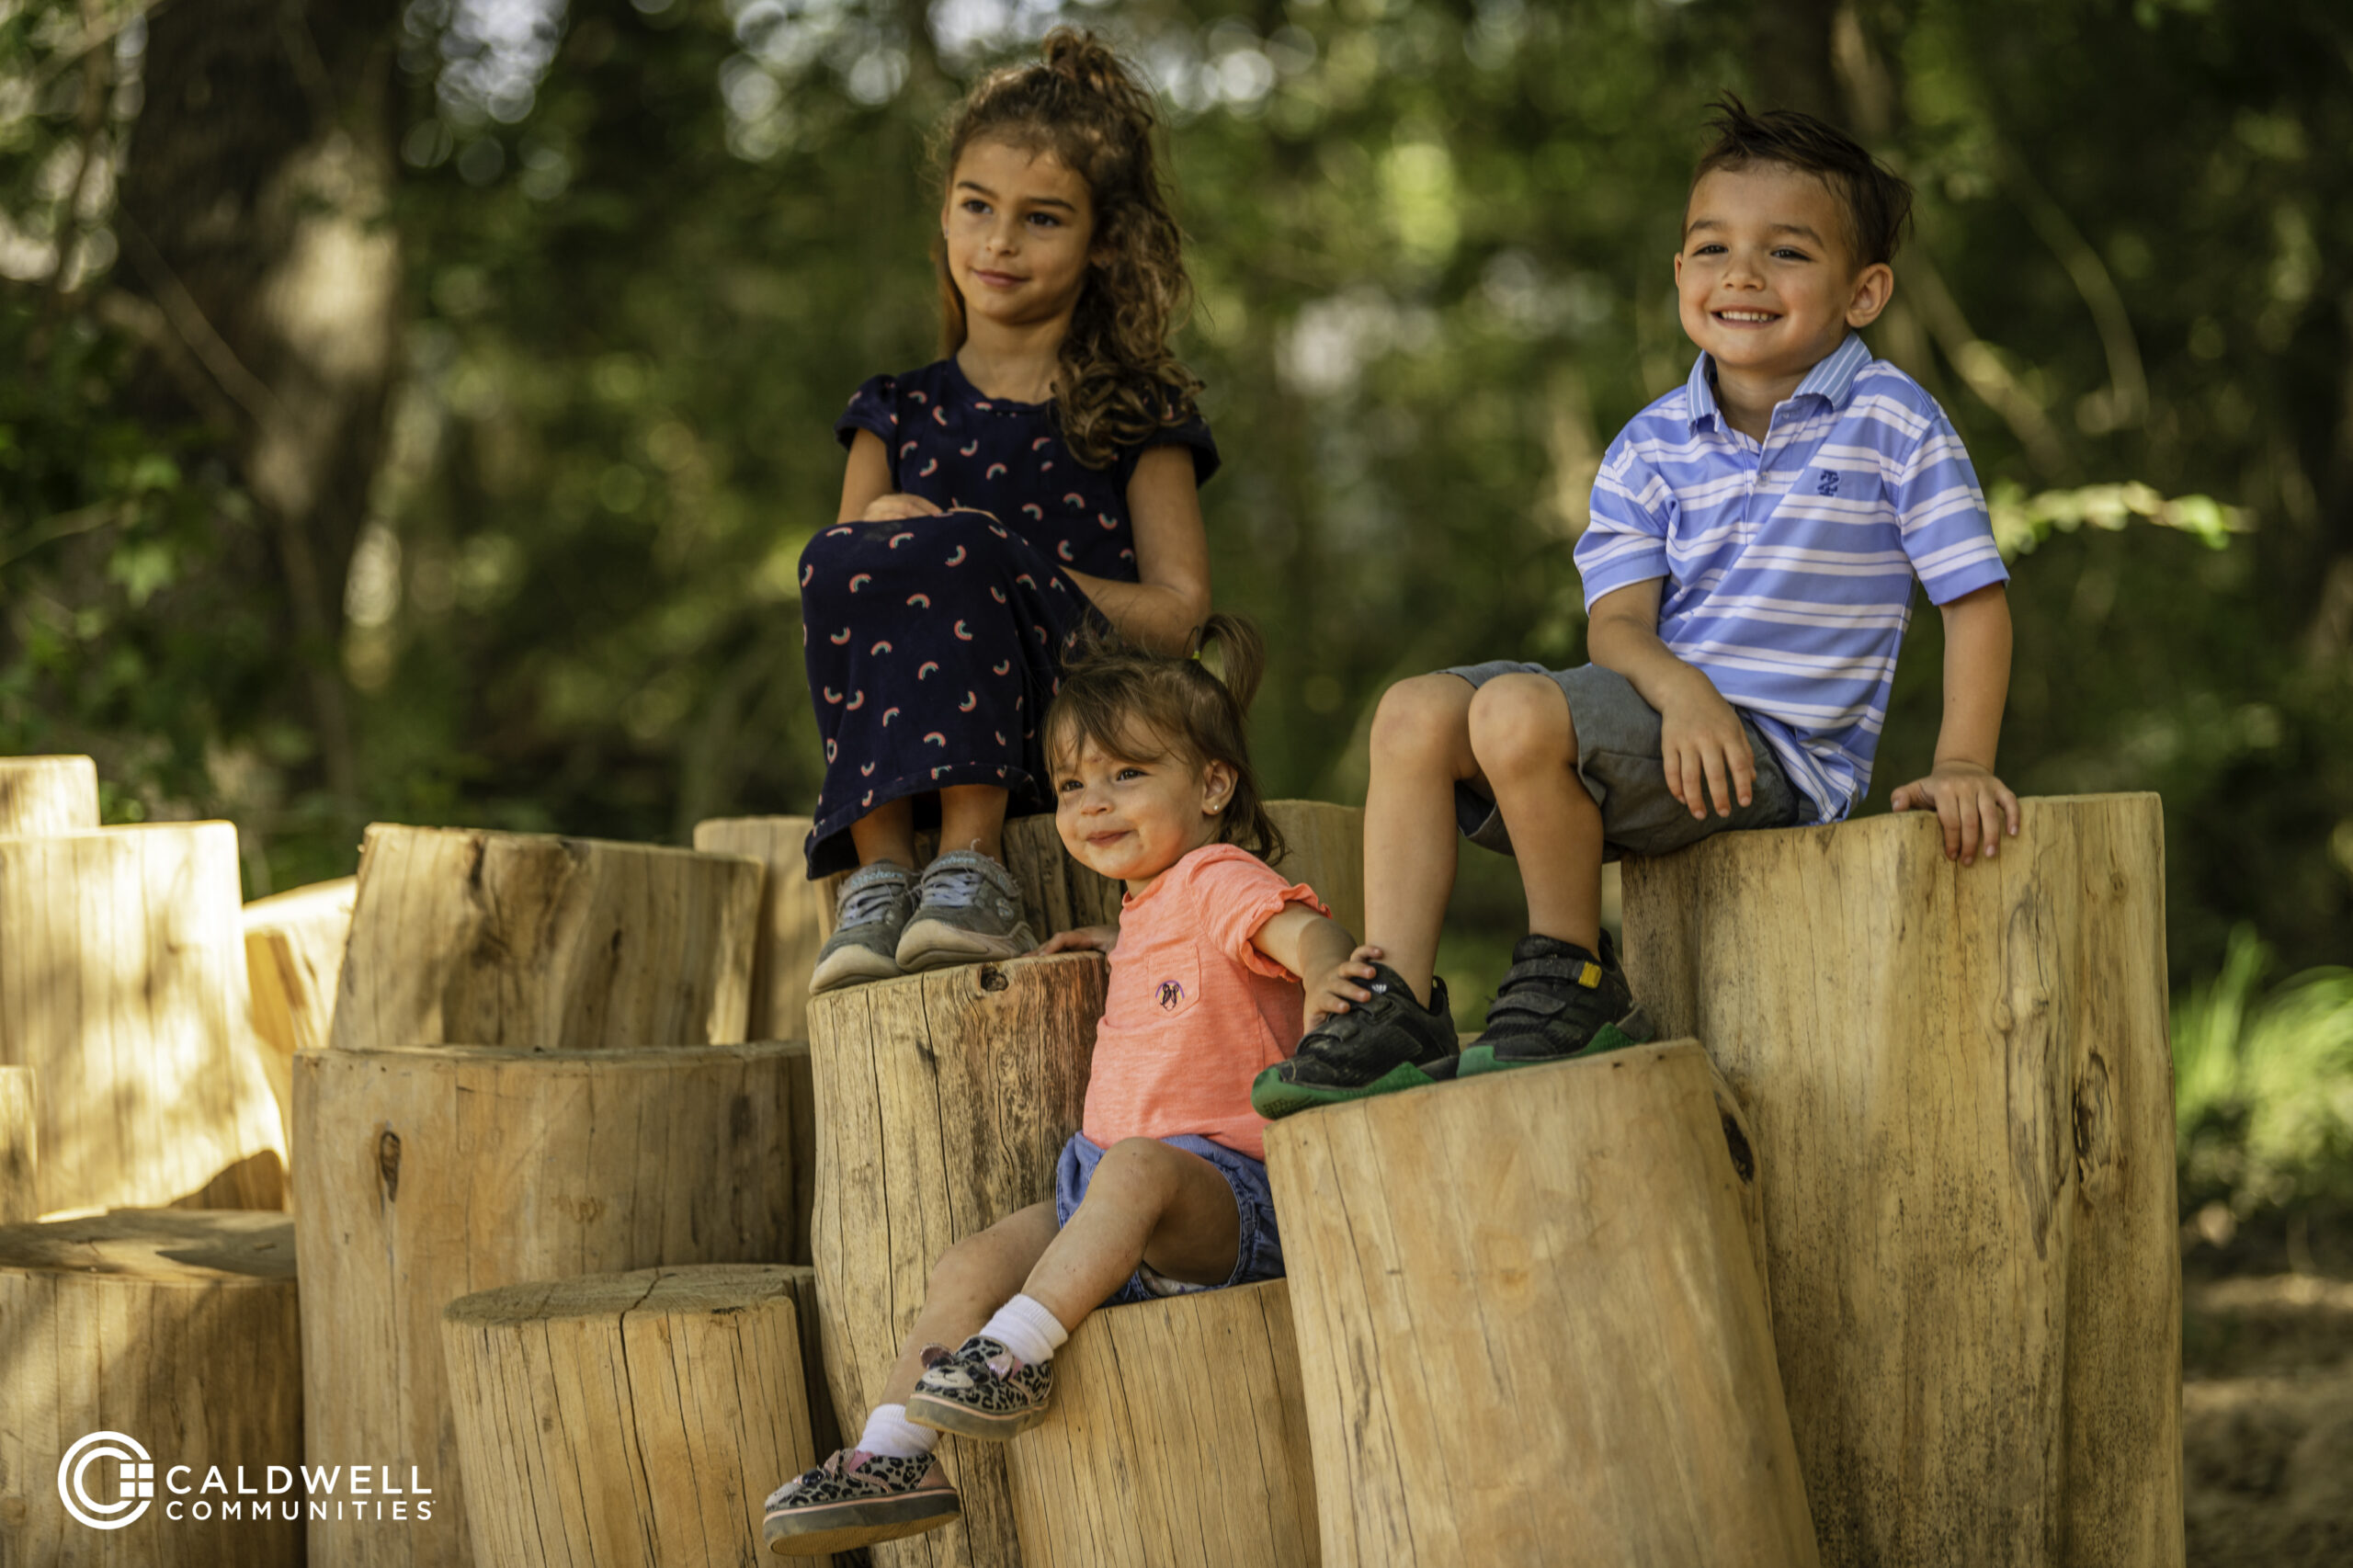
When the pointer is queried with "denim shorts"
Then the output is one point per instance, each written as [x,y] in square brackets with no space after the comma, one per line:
[1618,758]
[1260,1256]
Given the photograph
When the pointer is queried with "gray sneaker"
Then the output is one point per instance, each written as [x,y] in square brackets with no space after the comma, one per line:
[968,910]
[875,903]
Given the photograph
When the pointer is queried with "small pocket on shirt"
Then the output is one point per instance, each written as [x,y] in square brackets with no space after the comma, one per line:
[1175,981]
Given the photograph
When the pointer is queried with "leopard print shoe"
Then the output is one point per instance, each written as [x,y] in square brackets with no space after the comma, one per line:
[982,1390]
[854,1499]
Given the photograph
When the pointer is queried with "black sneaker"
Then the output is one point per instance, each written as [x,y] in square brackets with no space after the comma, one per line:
[1377,1047]
[1557,1001]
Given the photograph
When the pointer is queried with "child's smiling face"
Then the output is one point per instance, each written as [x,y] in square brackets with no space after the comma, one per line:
[1019,224]
[1131,820]
[1767,277]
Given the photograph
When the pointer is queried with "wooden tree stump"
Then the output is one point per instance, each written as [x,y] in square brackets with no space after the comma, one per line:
[19,1147]
[1531,1322]
[48,794]
[178,1330]
[430,1173]
[629,1420]
[943,1100]
[1963,1097]
[293,956]
[460,937]
[790,925]
[1177,1439]
[124,981]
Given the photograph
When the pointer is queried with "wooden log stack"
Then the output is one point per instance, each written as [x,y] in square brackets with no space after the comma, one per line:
[122,981]
[1531,1323]
[943,1100]
[1177,1439]
[1963,1097]
[631,1420]
[177,1329]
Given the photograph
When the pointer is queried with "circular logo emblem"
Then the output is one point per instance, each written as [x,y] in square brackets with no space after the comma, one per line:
[134,1480]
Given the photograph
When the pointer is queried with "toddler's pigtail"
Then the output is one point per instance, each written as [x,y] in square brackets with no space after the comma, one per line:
[1242,665]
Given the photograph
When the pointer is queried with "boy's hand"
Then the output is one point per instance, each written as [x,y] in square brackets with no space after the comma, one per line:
[1084,939]
[1704,747]
[1972,804]
[896,506]
[1335,990]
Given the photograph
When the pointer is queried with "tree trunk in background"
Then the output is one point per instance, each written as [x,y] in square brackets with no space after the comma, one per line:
[252,208]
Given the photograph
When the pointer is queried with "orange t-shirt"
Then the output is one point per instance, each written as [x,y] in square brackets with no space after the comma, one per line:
[1193,1011]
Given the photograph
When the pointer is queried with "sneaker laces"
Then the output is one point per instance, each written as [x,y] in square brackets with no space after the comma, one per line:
[952,887]
[863,905]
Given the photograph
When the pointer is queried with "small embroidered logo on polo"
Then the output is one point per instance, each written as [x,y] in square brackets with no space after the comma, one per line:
[1826,484]
[1172,994]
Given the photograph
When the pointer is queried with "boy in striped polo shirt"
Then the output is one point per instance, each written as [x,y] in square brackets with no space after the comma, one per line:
[1748,571]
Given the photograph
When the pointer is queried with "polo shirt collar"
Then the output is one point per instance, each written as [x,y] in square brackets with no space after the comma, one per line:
[1833,381]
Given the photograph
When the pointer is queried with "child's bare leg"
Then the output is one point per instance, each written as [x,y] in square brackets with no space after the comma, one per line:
[972,1280]
[1147,1202]
[971,817]
[1421,749]
[887,833]
[1525,743]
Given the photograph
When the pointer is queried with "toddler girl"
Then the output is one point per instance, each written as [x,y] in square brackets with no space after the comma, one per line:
[1164,1190]
[1043,474]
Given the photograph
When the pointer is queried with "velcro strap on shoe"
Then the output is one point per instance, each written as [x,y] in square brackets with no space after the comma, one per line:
[1583,973]
[1542,1004]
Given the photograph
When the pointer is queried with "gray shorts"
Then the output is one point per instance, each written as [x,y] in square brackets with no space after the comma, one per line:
[1618,758]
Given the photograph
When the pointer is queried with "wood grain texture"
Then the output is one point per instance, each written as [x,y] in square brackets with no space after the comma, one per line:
[122,981]
[48,794]
[20,1146]
[1530,1326]
[1962,1095]
[1177,1439]
[461,937]
[176,1328]
[427,1174]
[791,926]
[1324,849]
[943,1101]
[631,1420]
[294,944]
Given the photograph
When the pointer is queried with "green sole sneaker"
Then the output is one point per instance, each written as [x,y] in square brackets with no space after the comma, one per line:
[1481,1058]
[1273,1096]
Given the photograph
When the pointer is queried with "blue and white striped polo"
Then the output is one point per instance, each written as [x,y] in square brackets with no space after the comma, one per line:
[1789,564]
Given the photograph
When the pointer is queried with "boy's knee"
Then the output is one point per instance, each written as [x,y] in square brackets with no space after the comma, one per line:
[1422,717]
[1521,721]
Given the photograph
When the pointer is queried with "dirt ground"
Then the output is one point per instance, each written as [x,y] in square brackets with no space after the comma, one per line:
[2268,1396]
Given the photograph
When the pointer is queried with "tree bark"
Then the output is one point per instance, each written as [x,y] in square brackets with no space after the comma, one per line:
[253,205]
[943,1101]
[1177,1439]
[462,936]
[114,1325]
[427,1174]
[1531,1325]
[631,1420]
[123,981]
[48,794]
[1964,1102]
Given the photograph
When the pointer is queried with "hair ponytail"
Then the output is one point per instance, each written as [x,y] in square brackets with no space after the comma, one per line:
[1144,706]
[1118,383]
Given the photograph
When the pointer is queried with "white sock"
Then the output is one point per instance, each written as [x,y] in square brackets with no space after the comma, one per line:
[1025,1327]
[890,1433]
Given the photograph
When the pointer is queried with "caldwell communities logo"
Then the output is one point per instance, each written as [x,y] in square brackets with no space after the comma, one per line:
[353,1492]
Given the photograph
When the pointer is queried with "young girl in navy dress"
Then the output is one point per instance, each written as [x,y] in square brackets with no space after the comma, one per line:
[1163,1190]
[1042,475]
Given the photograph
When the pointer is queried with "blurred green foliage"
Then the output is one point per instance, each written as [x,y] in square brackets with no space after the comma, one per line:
[650,245]
[2263,1086]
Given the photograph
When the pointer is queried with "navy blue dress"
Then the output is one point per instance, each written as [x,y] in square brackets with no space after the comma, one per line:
[933,643]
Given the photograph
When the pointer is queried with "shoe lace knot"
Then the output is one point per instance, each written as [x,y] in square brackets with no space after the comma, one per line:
[872,901]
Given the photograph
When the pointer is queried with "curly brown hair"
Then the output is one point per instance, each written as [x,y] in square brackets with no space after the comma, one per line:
[1119,383]
[1143,707]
